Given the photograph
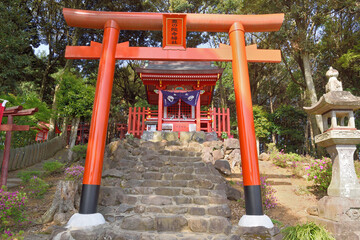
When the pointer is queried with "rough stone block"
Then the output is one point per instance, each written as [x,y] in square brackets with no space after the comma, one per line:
[112,173]
[186,136]
[199,137]
[223,167]
[183,176]
[231,143]
[201,200]
[189,191]
[154,209]
[217,200]
[110,196]
[197,211]
[139,223]
[182,200]
[156,200]
[179,183]
[264,157]
[167,191]
[168,176]
[219,225]
[152,175]
[223,211]
[198,224]
[170,223]
[201,183]
[218,154]
[175,209]
[170,136]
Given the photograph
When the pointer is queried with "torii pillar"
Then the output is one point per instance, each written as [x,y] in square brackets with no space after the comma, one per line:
[110,50]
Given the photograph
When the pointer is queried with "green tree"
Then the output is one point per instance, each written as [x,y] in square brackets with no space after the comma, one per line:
[17,37]
[75,101]
[27,98]
[288,125]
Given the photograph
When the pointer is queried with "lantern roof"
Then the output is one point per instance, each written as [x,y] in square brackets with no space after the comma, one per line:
[335,100]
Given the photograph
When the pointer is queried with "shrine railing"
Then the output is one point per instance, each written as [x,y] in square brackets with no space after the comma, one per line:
[214,120]
[136,120]
[221,120]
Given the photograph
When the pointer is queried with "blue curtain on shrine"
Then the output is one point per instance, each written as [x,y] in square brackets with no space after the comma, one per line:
[171,98]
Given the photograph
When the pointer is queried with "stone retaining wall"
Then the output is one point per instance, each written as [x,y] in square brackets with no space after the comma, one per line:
[32,154]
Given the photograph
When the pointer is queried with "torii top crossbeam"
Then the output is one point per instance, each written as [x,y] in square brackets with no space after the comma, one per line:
[154,21]
[174,27]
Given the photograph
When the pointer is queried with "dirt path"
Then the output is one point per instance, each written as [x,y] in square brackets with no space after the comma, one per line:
[292,194]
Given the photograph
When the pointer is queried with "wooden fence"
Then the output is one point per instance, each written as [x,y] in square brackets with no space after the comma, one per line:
[32,154]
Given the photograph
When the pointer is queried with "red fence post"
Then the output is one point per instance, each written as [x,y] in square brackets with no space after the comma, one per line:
[228,121]
[5,163]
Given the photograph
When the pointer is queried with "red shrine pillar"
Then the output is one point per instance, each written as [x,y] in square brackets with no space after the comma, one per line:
[249,159]
[160,110]
[99,120]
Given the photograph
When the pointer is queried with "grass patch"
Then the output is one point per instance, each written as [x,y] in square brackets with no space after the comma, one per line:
[307,231]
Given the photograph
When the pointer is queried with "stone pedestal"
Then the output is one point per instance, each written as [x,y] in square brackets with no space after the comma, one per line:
[344,182]
[339,215]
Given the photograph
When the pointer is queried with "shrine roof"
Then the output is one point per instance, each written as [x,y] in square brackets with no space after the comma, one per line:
[179,67]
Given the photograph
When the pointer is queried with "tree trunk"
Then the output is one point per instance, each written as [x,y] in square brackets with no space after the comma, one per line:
[306,143]
[311,90]
[273,137]
[67,66]
[73,135]
[65,203]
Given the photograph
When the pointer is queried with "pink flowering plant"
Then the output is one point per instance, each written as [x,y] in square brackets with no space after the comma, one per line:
[74,173]
[268,194]
[37,187]
[319,172]
[12,210]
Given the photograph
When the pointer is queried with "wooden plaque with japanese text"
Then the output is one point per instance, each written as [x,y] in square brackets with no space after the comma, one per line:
[174,31]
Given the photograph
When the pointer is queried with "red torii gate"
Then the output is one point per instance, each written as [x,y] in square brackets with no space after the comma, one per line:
[10,113]
[175,50]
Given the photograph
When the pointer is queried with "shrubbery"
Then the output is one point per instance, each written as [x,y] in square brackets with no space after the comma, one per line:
[320,171]
[37,187]
[53,167]
[27,175]
[268,194]
[12,212]
[74,173]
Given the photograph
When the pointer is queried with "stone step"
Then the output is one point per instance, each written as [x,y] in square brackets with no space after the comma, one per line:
[176,223]
[186,209]
[114,232]
[180,153]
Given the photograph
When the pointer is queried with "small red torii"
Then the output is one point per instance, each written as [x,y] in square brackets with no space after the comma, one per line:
[10,113]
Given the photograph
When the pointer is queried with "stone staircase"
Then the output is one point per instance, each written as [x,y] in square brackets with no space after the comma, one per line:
[161,193]
[149,192]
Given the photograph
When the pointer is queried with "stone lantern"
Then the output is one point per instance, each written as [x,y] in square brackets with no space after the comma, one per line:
[340,210]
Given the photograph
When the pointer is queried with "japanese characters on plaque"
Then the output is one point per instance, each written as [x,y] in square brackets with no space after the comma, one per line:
[174,31]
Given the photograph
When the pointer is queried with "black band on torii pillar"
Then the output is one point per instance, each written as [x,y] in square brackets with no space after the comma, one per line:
[89,198]
[253,202]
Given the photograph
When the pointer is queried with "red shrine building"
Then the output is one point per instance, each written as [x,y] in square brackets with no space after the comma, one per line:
[182,92]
